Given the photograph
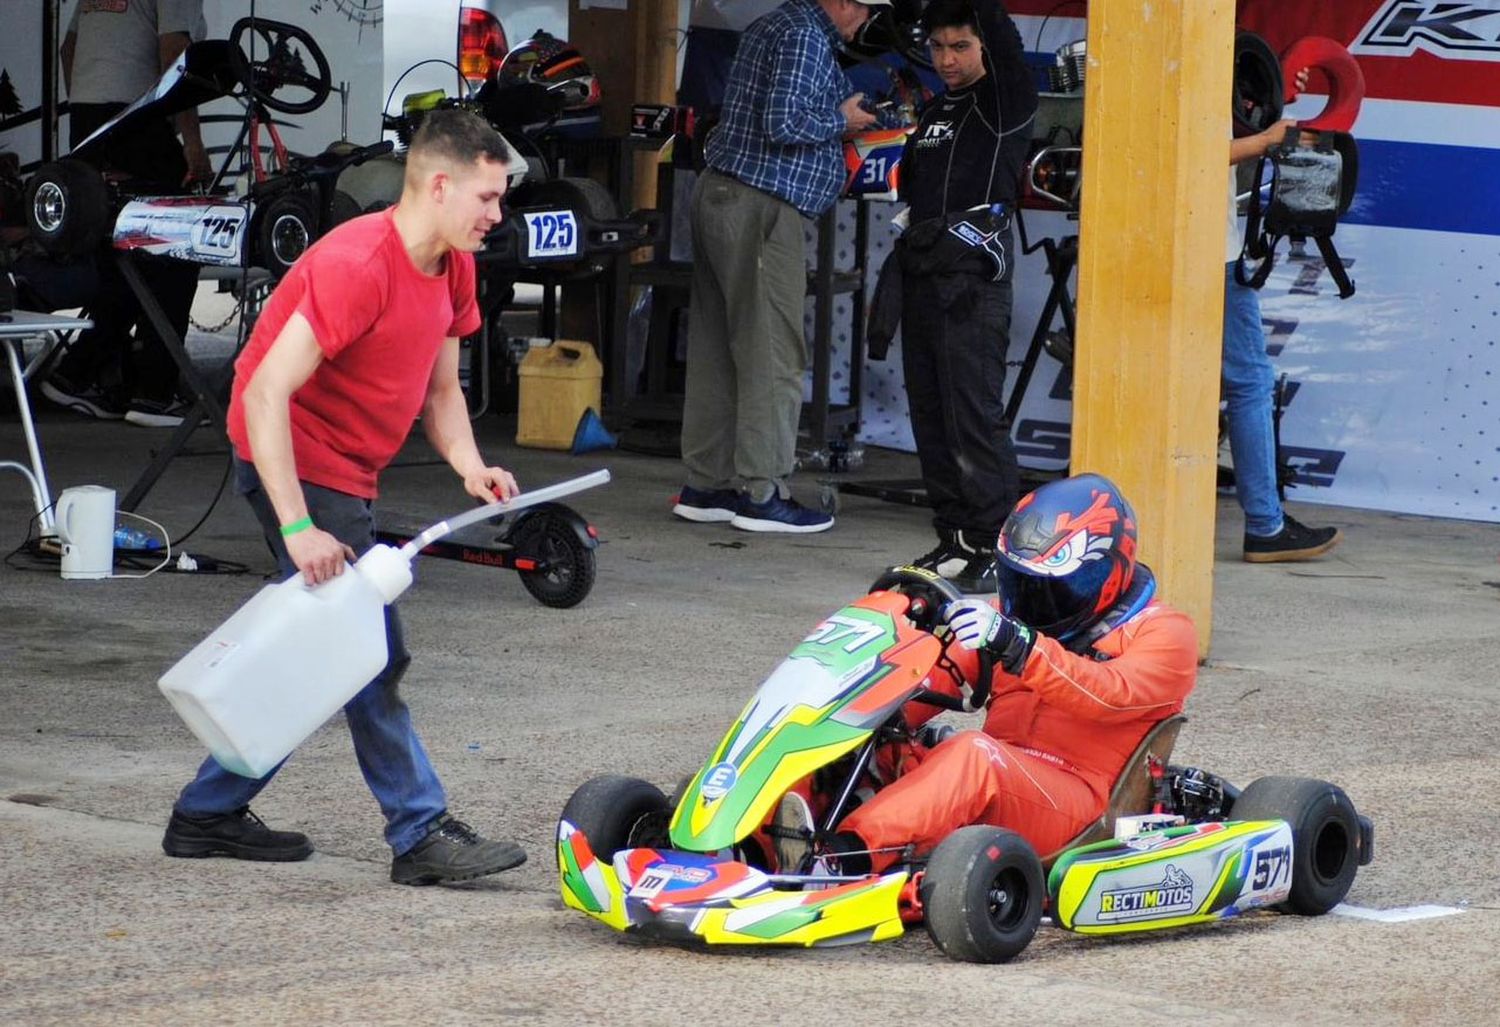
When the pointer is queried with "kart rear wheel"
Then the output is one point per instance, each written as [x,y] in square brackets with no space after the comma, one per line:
[1325,836]
[67,207]
[285,227]
[982,894]
[616,812]
[580,195]
[570,565]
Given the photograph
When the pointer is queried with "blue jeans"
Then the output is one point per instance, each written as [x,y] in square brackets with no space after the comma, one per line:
[390,754]
[1249,382]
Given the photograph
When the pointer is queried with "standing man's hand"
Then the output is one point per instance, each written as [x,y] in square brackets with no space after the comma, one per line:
[856,118]
[317,554]
[199,167]
[491,483]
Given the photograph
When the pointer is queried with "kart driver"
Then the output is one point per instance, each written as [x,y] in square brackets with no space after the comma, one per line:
[1086,662]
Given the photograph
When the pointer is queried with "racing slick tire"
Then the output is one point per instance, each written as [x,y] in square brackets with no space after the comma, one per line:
[582,195]
[1325,836]
[616,812]
[982,894]
[67,208]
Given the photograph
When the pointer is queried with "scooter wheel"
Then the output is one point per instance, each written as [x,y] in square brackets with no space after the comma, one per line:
[570,566]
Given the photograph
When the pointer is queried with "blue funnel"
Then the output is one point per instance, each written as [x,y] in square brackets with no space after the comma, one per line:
[591,434]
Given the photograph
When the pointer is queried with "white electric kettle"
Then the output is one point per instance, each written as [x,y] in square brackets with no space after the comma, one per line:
[85,517]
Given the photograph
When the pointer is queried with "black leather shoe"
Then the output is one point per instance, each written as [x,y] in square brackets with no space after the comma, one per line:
[454,851]
[238,835]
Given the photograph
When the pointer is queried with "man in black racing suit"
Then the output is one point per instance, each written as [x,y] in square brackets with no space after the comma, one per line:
[959,177]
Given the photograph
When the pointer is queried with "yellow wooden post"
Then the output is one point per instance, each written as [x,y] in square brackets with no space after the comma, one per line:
[1150,275]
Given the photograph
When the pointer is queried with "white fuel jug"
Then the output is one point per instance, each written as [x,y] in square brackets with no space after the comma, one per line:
[293,655]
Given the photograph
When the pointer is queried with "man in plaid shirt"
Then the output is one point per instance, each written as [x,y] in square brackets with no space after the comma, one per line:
[775,158]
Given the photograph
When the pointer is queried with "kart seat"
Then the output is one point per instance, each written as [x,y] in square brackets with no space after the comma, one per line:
[1133,791]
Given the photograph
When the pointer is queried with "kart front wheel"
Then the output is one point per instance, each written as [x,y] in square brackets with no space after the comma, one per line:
[982,894]
[616,812]
[1325,836]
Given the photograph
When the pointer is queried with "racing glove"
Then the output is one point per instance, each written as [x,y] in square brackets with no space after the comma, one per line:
[978,625]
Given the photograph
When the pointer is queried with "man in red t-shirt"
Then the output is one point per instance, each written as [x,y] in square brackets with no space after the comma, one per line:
[358,339]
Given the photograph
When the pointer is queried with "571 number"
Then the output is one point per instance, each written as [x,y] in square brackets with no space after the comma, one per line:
[1272,866]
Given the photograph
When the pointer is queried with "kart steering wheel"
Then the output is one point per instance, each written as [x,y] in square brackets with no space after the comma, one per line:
[930,594]
[283,65]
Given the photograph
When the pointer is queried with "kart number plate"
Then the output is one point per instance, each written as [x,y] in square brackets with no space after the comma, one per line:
[652,882]
[551,233]
[184,228]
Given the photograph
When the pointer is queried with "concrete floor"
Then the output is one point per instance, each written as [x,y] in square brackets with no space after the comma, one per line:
[1374,668]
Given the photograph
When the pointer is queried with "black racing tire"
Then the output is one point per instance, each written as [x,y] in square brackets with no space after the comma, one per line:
[581,195]
[341,208]
[982,894]
[616,812]
[67,208]
[571,566]
[284,229]
[1325,836]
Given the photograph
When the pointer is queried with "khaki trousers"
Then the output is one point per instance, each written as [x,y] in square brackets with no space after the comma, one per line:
[746,351]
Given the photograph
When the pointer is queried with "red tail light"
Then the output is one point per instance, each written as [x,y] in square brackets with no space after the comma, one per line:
[481,45]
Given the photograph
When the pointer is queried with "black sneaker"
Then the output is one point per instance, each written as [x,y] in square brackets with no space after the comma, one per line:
[238,835]
[946,558]
[958,558]
[154,413]
[1295,541]
[454,851]
[706,506]
[977,576]
[90,401]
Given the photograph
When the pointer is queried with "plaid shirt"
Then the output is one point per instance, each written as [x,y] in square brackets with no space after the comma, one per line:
[781,130]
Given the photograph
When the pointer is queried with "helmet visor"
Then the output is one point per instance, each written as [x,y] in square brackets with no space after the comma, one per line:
[1052,605]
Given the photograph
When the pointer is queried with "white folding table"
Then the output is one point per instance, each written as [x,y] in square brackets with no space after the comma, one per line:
[15,328]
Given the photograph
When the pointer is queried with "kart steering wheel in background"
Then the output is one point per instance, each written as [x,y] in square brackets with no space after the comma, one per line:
[277,64]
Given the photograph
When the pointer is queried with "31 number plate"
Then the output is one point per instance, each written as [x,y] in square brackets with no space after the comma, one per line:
[551,233]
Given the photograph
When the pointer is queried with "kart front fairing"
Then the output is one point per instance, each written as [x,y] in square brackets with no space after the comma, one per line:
[845,680]
[693,897]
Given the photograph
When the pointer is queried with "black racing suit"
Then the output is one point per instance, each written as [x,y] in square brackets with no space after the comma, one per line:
[966,152]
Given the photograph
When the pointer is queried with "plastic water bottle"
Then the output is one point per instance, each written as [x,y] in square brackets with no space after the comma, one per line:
[134,538]
[286,661]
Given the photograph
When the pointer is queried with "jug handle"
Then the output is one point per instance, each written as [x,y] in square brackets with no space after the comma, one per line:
[63,514]
[574,350]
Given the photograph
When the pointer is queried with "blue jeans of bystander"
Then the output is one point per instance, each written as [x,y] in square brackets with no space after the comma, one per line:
[1249,381]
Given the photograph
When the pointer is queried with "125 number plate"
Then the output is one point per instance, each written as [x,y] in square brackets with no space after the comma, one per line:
[551,233]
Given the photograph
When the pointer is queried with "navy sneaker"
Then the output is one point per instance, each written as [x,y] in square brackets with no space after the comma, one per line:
[707,505]
[778,514]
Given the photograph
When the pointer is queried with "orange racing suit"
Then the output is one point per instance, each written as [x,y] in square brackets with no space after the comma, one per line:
[1055,739]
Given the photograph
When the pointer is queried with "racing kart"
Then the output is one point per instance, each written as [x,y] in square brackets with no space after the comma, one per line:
[74,204]
[1175,846]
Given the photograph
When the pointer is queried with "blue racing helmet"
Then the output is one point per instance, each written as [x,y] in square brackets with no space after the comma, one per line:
[1066,554]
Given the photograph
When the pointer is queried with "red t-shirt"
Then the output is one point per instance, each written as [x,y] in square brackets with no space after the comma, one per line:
[380,323]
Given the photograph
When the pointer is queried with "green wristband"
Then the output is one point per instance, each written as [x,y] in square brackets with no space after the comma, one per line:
[288,530]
